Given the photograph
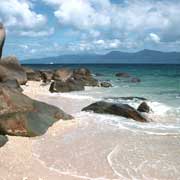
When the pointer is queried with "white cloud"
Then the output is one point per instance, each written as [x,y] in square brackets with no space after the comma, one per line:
[19,13]
[38,33]
[107,44]
[123,19]
[82,14]
[154,37]
[20,18]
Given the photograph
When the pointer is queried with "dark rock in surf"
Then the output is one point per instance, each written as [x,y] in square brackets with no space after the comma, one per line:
[123,110]
[143,107]
[123,75]
[105,84]
[99,74]
[126,98]
[135,80]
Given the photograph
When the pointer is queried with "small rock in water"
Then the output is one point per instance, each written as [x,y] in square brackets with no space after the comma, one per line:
[127,98]
[135,80]
[143,107]
[99,74]
[123,75]
[105,84]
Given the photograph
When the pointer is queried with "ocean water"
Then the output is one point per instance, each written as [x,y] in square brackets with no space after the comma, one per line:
[112,147]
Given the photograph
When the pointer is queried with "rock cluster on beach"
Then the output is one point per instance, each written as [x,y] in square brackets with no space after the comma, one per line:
[64,79]
[19,114]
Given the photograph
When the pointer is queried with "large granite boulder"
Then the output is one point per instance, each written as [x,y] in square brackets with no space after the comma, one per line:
[124,110]
[10,69]
[12,84]
[66,80]
[32,75]
[143,107]
[84,76]
[22,116]
[46,76]
[2,38]
[66,86]
[63,74]
[3,140]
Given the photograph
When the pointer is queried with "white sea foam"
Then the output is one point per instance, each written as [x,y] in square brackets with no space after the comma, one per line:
[111,163]
[73,96]
[159,108]
[120,123]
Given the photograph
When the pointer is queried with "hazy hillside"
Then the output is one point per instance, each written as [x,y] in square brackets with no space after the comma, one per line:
[144,56]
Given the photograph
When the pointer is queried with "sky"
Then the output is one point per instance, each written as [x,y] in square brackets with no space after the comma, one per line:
[45,28]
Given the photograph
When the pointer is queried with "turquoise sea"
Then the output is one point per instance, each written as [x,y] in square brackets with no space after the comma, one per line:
[158,82]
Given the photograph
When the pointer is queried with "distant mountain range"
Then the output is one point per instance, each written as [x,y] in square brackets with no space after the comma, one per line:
[114,57]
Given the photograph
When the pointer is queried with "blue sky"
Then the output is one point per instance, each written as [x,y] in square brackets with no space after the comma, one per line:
[43,28]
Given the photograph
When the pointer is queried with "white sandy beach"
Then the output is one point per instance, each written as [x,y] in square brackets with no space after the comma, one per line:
[89,148]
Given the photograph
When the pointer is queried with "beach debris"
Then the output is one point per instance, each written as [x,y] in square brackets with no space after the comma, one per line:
[119,109]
